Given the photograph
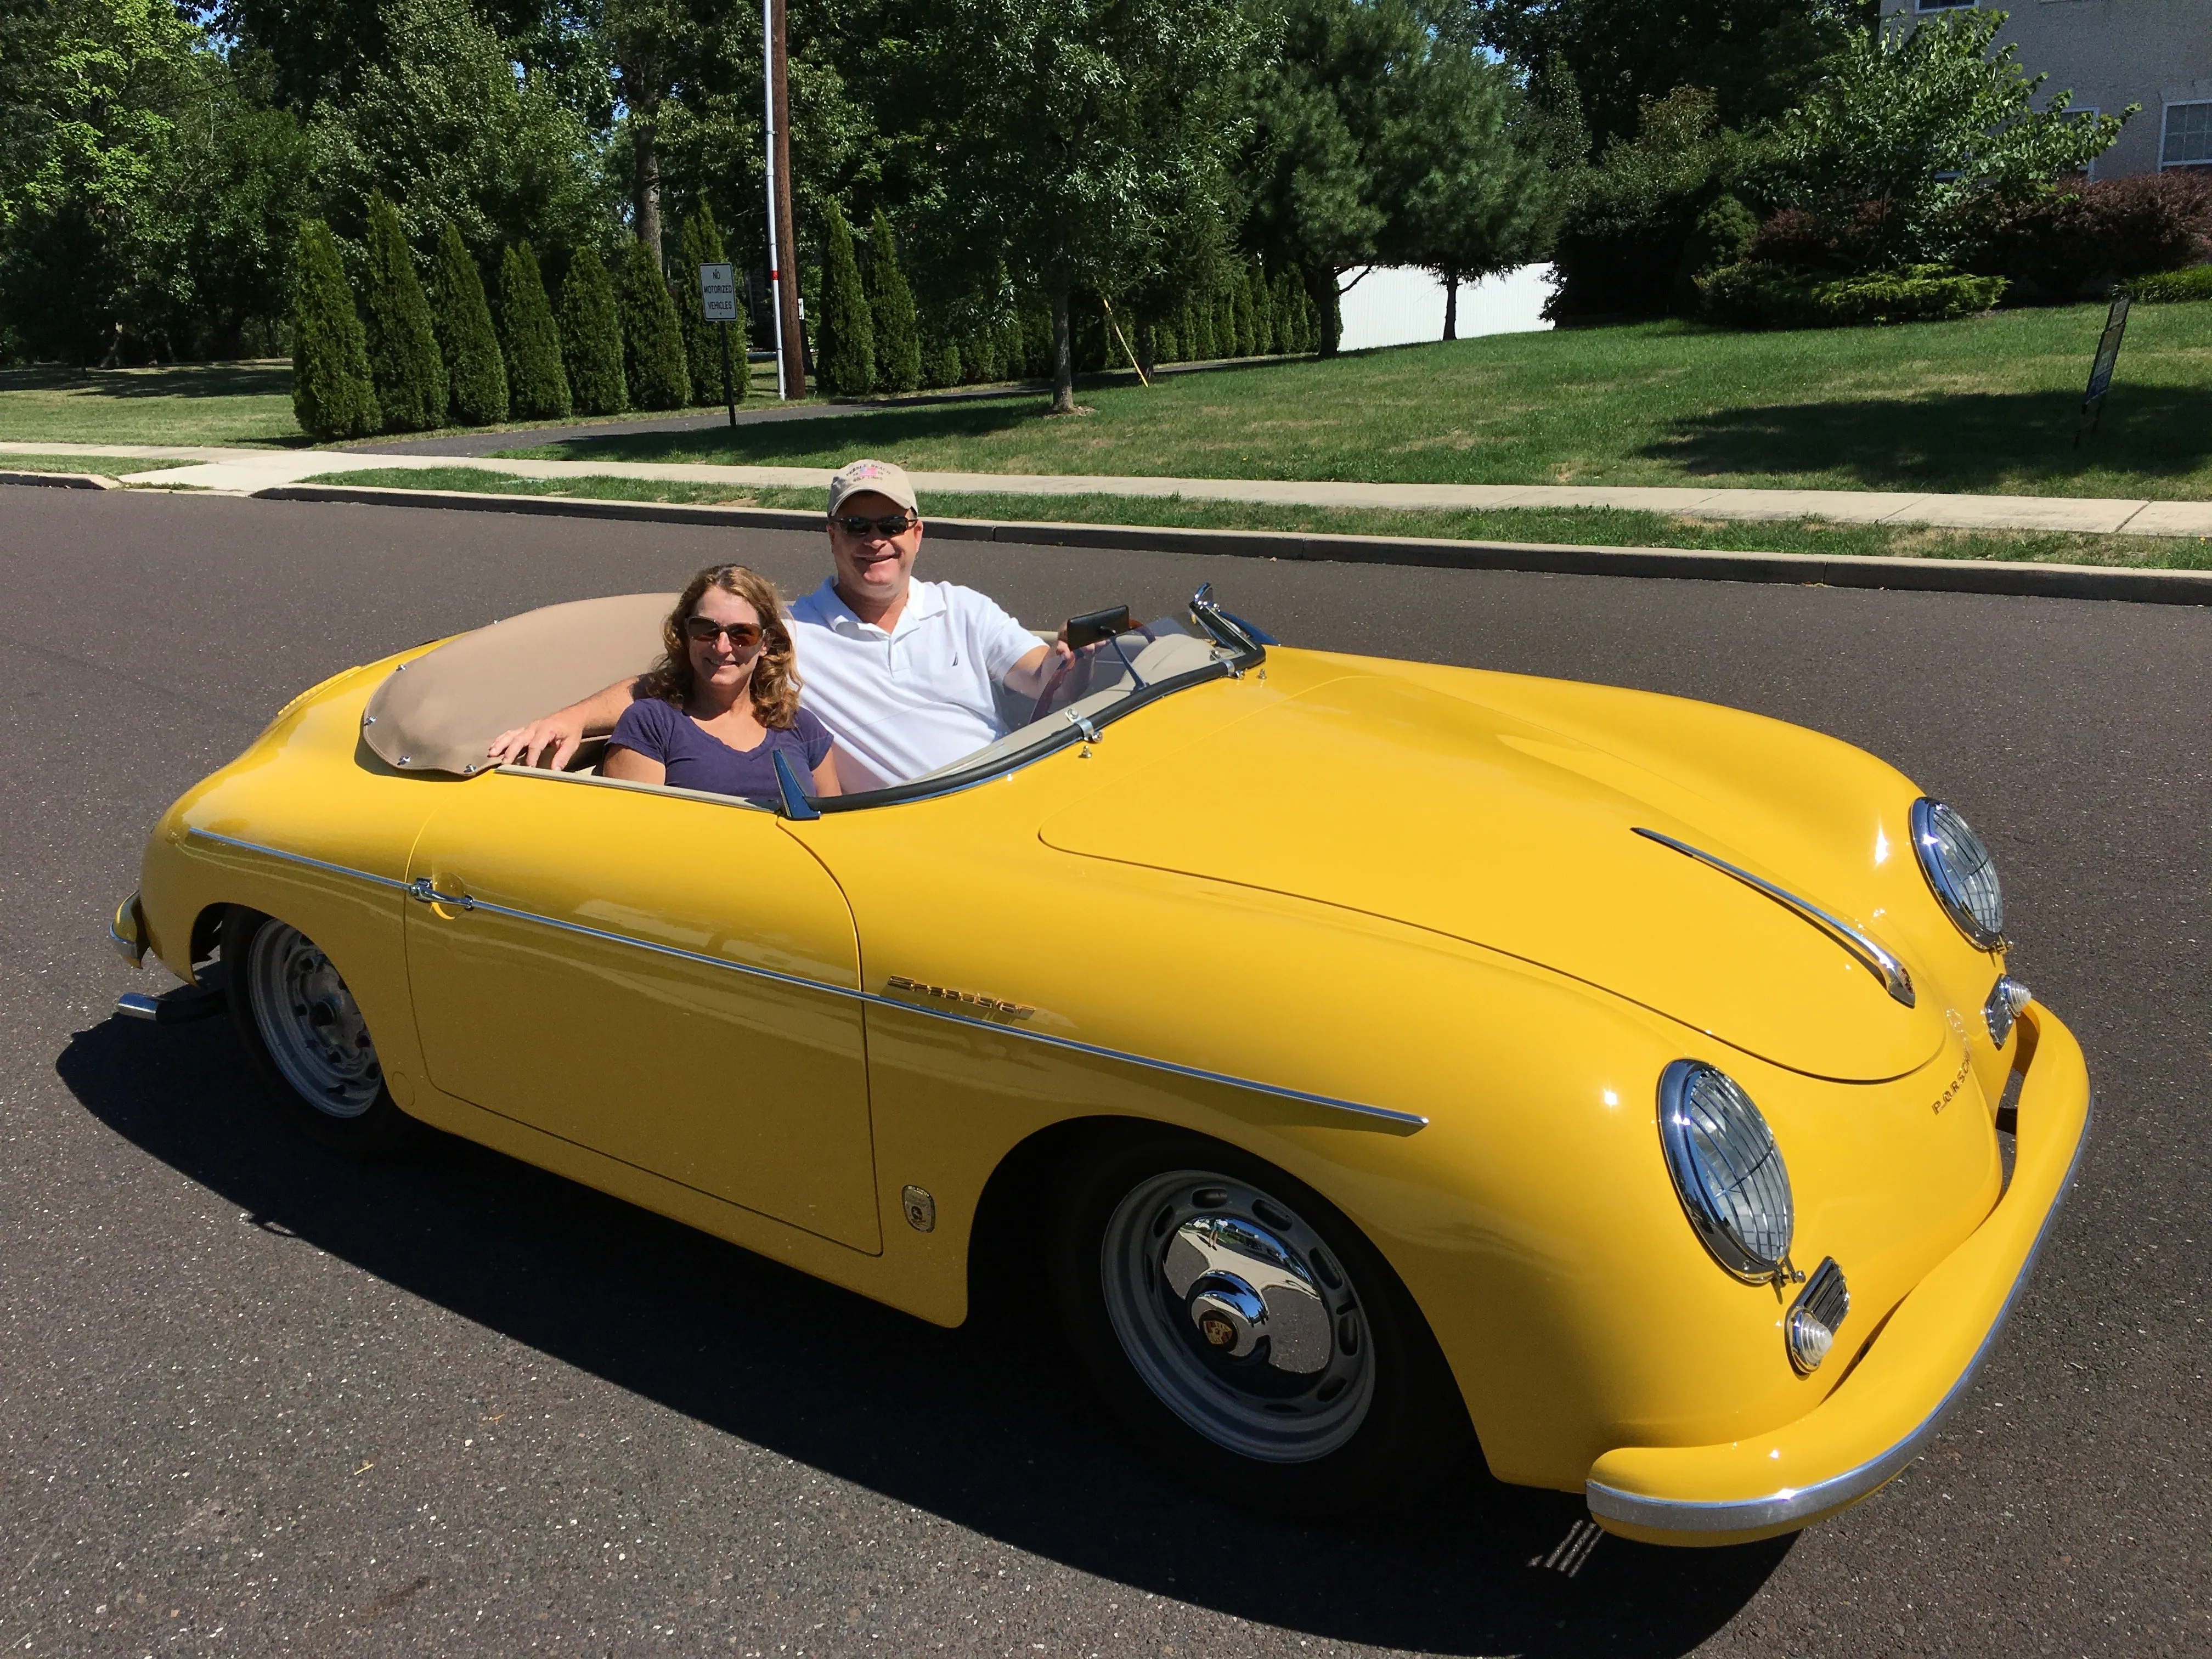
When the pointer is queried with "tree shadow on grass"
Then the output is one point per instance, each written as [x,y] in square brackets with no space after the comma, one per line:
[980,1425]
[183,380]
[769,444]
[1963,441]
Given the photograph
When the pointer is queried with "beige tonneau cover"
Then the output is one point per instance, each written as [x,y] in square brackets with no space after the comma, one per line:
[441,712]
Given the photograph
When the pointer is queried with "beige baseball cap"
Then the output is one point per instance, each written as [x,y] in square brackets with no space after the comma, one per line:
[881,476]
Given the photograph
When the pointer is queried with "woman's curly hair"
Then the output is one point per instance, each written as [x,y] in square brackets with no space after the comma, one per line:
[776,677]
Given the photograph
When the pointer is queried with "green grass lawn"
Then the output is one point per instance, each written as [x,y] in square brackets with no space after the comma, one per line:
[227,404]
[233,404]
[107,466]
[1576,526]
[1987,404]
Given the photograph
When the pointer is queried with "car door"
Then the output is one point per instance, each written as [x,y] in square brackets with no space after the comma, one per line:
[667,979]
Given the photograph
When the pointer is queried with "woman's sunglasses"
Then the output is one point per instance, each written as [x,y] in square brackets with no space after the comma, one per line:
[705,630]
[891,524]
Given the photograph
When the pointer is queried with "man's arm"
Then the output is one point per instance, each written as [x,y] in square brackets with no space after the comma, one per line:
[1029,676]
[551,741]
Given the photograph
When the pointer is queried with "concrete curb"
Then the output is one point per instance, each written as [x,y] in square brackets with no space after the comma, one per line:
[2058,582]
[61,480]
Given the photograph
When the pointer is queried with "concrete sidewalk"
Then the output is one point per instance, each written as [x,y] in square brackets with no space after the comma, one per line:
[244,472]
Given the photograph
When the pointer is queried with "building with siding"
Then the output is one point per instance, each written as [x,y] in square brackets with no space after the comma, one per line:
[2112,53]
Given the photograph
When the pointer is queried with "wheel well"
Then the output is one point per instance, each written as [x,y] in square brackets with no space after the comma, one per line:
[207,939]
[1003,1252]
[996,1254]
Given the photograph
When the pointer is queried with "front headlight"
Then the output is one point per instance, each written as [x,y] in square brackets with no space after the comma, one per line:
[1727,1169]
[1960,871]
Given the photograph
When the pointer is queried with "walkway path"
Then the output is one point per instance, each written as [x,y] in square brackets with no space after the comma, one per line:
[243,471]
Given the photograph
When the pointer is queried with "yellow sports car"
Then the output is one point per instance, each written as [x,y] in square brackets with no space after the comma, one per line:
[1361,1061]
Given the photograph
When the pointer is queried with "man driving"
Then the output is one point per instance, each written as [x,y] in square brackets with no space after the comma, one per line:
[902,672]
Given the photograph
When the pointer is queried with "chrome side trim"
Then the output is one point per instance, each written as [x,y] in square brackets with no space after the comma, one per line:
[1887,969]
[1407,1122]
[397,886]
[1806,1503]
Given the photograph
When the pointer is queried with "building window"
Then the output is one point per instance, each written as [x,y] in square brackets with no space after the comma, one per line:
[2188,135]
[1944,5]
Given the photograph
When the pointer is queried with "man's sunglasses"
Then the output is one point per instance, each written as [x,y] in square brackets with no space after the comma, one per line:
[705,630]
[891,524]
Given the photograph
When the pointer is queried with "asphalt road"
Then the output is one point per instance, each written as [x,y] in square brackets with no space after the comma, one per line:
[254,1400]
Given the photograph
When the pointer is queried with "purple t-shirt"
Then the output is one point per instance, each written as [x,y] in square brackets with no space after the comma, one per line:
[698,760]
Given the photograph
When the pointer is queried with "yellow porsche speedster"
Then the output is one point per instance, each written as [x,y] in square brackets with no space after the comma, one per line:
[1363,1060]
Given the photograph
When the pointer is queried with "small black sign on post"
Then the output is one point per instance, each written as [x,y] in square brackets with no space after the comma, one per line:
[2100,371]
[718,302]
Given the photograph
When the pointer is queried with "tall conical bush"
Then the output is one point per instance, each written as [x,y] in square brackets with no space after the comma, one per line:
[701,245]
[591,336]
[332,395]
[1239,309]
[476,378]
[1264,339]
[403,346]
[1290,335]
[537,384]
[891,310]
[652,339]
[847,351]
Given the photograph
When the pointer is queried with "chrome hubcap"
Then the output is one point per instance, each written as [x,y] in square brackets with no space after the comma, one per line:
[307,1018]
[1237,1316]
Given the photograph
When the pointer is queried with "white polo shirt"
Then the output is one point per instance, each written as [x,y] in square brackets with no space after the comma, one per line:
[914,699]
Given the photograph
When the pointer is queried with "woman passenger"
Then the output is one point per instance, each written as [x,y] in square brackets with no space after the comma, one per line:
[723,701]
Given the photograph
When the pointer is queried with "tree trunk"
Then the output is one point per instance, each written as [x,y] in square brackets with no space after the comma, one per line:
[1145,350]
[1063,357]
[1321,286]
[644,180]
[1451,304]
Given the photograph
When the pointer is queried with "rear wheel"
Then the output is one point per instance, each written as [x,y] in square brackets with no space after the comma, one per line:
[306,1035]
[1246,1329]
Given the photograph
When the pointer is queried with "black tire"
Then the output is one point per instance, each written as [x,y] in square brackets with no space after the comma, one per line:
[352,1111]
[1300,1451]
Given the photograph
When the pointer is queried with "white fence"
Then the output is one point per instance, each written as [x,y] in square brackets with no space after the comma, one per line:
[1400,305]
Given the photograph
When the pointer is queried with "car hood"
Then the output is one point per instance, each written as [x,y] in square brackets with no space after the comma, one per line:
[1435,808]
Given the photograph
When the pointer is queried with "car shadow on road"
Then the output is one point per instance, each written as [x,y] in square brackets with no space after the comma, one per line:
[989,1428]
[1971,441]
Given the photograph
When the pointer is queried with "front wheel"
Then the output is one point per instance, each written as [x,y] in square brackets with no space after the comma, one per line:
[305,1037]
[1246,1329]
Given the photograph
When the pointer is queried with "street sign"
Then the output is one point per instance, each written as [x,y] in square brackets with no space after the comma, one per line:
[718,293]
[2101,369]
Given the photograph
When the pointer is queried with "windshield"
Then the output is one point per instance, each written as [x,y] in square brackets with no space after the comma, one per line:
[1105,681]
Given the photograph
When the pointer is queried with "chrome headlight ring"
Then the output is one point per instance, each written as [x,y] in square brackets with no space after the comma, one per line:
[1727,1169]
[1960,870]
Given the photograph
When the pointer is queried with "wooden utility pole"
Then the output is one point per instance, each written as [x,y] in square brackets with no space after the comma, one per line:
[782,244]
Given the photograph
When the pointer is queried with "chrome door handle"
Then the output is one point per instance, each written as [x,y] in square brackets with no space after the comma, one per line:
[421,889]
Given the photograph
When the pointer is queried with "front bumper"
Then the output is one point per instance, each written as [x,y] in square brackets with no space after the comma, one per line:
[1904,1384]
[126,932]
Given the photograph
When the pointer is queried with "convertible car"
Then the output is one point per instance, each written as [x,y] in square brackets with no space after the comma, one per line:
[1365,1062]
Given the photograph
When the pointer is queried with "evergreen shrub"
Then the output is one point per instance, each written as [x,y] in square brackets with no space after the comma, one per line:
[652,339]
[2169,287]
[332,395]
[591,337]
[475,378]
[403,345]
[847,357]
[701,245]
[1264,331]
[536,383]
[1755,293]
[891,310]
[1240,311]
